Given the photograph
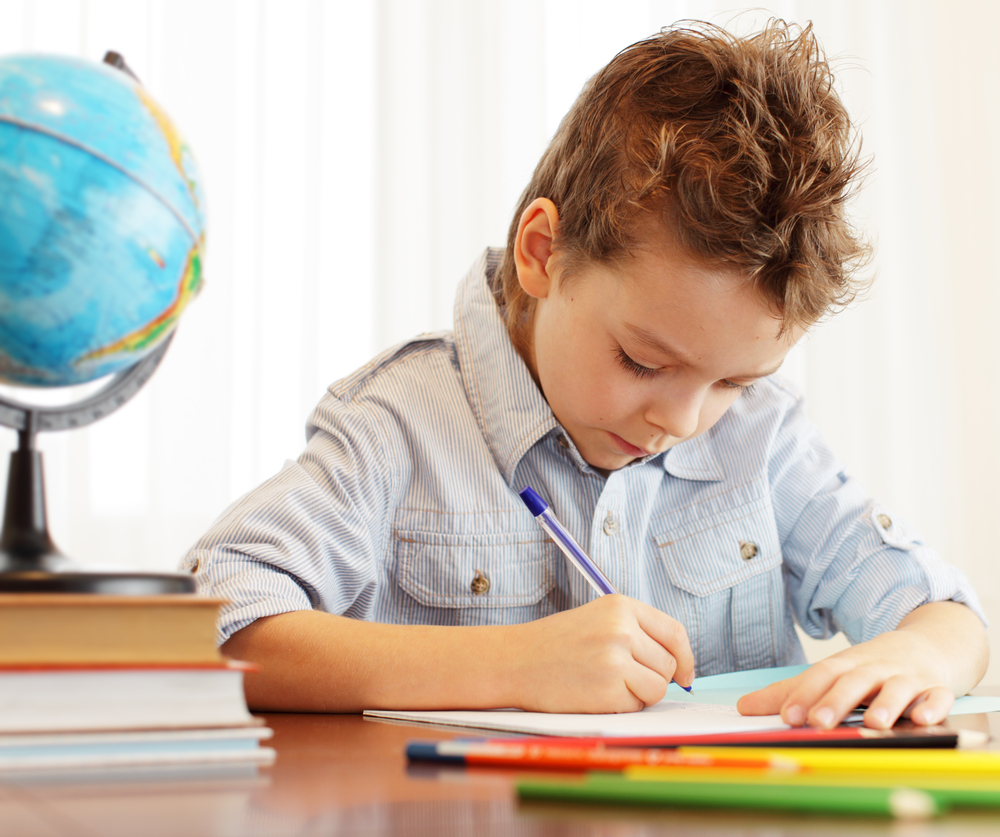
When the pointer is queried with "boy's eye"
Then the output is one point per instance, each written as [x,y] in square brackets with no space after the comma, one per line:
[640,371]
[632,366]
[743,390]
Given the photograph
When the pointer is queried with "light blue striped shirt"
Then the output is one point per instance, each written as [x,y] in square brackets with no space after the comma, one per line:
[403,508]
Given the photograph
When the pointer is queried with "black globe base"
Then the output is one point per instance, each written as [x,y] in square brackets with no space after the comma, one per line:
[29,561]
[95,583]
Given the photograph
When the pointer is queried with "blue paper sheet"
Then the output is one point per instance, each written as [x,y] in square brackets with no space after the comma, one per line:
[726,689]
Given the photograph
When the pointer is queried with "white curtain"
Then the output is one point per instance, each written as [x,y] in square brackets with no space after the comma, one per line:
[358,155]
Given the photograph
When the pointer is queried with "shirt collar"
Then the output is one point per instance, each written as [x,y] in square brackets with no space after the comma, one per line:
[511,411]
[694,459]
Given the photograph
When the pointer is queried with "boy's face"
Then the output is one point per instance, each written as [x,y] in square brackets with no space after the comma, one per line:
[635,360]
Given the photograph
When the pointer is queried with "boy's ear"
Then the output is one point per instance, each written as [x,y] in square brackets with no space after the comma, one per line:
[533,247]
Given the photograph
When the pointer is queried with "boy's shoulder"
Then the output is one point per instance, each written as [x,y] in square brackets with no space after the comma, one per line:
[393,399]
[417,360]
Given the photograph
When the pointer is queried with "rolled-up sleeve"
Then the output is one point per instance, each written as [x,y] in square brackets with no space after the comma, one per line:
[309,537]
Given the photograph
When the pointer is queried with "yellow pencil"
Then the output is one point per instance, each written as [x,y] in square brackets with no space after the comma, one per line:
[966,762]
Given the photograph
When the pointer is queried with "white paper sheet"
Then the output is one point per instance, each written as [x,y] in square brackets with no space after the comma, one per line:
[668,717]
[711,708]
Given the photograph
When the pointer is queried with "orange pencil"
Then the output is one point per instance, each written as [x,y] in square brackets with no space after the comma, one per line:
[560,757]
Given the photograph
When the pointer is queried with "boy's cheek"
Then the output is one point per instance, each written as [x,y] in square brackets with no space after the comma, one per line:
[721,405]
[713,411]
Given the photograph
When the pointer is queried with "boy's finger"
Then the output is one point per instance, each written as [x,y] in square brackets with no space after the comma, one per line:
[850,689]
[931,707]
[895,699]
[766,701]
[807,689]
[776,697]
[671,635]
[646,684]
[888,705]
[649,653]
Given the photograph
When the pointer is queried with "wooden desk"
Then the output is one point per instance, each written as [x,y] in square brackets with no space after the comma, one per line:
[342,775]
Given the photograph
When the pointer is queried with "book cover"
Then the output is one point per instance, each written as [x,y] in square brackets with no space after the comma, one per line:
[41,628]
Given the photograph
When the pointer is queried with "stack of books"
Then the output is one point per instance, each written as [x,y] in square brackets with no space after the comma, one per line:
[110,682]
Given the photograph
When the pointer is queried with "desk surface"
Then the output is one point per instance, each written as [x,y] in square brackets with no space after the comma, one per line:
[343,775]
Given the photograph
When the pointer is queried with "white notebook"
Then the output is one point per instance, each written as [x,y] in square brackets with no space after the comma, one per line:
[709,709]
[668,717]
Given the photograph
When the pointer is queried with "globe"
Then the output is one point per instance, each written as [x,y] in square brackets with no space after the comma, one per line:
[101,221]
[101,238]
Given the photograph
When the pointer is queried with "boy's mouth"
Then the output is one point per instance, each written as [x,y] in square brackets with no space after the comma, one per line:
[627,447]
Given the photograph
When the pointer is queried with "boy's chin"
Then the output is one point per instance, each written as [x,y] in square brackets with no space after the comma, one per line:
[605,451]
[605,461]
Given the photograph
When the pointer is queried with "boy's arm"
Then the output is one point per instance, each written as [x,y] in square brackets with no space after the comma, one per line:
[852,567]
[614,654]
[937,651]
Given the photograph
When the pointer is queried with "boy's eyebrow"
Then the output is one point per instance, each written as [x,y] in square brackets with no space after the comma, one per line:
[650,341]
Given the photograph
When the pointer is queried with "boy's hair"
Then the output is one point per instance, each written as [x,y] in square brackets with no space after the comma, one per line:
[740,145]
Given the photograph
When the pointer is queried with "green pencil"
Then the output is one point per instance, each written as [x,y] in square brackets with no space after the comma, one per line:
[904,803]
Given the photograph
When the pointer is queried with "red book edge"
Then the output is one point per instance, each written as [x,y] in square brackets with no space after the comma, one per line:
[238,665]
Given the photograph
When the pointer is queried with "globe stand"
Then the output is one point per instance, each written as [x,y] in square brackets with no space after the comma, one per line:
[25,543]
[29,559]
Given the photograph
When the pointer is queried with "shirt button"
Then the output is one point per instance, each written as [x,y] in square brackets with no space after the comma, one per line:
[563,441]
[610,524]
[885,521]
[748,550]
[480,583]
[193,568]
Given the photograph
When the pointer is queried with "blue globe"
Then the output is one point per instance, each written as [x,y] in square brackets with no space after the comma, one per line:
[101,221]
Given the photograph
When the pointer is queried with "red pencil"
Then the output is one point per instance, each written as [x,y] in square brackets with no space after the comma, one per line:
[923,737]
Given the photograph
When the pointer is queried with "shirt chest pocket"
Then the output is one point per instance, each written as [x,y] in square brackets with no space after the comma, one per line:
[718,552]
[473,579]
[726,567]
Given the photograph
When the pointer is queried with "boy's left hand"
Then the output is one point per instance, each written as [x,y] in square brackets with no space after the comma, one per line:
[937,651]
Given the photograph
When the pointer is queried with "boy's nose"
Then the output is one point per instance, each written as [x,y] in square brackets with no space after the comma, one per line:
[676,414]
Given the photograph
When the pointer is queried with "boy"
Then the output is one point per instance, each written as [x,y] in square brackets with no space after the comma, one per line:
[682,231]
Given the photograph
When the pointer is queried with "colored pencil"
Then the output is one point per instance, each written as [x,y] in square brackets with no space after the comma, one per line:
[940,762]
[610,788]
[539,755]
[853,737]
[957,789]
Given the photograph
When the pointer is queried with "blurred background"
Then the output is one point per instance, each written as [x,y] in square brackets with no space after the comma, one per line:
[358,156]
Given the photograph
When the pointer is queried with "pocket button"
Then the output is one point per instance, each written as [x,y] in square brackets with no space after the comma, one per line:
[480,583]
[748,550]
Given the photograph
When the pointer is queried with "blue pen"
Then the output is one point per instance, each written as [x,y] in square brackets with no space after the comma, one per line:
[567,543]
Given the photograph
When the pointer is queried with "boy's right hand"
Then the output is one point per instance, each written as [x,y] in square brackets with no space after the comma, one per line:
[613,654]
